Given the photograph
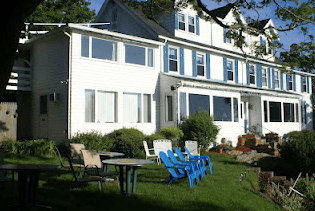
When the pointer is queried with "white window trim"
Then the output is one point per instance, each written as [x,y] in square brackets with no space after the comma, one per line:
[178,59]
[290,76]
[255,75]
[195,25]
[275,79]
[146,65]
[186,16]
[204,65]
[262,76]
[233,70]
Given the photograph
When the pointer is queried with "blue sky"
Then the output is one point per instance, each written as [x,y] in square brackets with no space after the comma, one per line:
[287,38]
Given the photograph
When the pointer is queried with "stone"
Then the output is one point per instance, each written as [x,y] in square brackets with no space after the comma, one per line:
[251,157]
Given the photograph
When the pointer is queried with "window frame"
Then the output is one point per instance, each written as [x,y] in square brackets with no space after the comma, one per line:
[304,83]
[180,22]
[230,71]
[277,79]
[201,65]
[147,55]
[264,75]
[290,82]
[193,25]
[171,59]
[252,74]
[115,106]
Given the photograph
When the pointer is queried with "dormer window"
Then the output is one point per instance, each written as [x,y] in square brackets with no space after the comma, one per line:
[181,22]
[187,23]
[191,24]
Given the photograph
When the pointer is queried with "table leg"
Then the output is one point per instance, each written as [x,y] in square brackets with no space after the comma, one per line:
[121,179]
[134,182]
[128,178]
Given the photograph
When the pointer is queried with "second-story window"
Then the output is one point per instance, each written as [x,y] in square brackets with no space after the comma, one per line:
[173,59]
[277,79]
[181,22]
[230,70]
[104,49]
[264,77]
[191,24]
[252,75]
[290,82]
[138,55]
[304,84]
[200,65]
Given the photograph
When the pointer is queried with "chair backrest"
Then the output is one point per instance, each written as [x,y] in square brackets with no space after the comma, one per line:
[179,154]
[76,150]
[146,148]
[92,158]
[165,159]
[192,146]
[188,152]
[162,145]
[172,156]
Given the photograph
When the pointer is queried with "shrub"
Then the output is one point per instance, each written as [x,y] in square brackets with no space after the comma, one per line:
[171,133]
[93,140]
[307,187]
[129,142]
[199,127]
[300,151]
[39,147]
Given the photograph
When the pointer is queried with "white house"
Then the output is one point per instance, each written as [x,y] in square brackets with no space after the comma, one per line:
[140,74]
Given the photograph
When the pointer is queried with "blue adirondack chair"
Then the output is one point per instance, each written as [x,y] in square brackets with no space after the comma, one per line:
[176,175]
[206,158]
[202,167]
[193,165]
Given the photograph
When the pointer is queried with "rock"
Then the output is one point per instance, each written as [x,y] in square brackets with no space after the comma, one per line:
[234,152]
[250,157]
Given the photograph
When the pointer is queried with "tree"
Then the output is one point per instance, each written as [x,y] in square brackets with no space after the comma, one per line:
[20,11]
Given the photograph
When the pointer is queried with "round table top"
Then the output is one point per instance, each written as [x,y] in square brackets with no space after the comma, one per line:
[128,162]
[41,167]
[111,154]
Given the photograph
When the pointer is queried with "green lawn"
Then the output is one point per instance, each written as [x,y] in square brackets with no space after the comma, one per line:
[220,191]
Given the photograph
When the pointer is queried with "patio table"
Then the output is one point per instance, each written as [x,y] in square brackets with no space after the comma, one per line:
[128,162]
[28,177]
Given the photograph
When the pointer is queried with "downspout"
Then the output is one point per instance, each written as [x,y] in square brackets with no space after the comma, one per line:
[69,84]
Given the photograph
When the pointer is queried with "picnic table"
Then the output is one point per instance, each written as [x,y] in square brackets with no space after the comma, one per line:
[128,163]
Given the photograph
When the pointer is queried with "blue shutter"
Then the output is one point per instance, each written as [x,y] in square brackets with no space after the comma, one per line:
[224,69]
[302,84]
[294,82]
[181,60]
[247,70]
[208,65]
[197,25]
[308,84]
[194,62]
[273,79]
[224,37]
[287,78]
[166,58]
[176,20]
[236,71]
[269,78]
[259,75]
[281,79]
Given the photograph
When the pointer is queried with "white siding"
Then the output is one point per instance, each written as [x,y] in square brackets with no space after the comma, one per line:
[49,58]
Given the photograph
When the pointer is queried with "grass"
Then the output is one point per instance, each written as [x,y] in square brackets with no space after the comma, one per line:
[220,191]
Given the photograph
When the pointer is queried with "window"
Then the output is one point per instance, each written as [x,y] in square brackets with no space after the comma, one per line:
[173,62]
[235,109]
[266,111]
[169,108]
[252,77]
[200,64]
[288,112]
[106,107]
[264,77]
[222,110]
[132,107]
[191,24]
[134,54]
[150,57]
[43,106]
[290,82]
[103,49]
[181,22]
[85,46]
[230,70]
[89,105]
[183,106]
[275,111]
[297,118]
[304,84]
[277,80]
[227,39]
[198,103]
[146,108]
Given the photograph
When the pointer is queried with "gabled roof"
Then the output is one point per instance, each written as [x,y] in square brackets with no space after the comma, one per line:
[260,24]
[151,25]
[222,12]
